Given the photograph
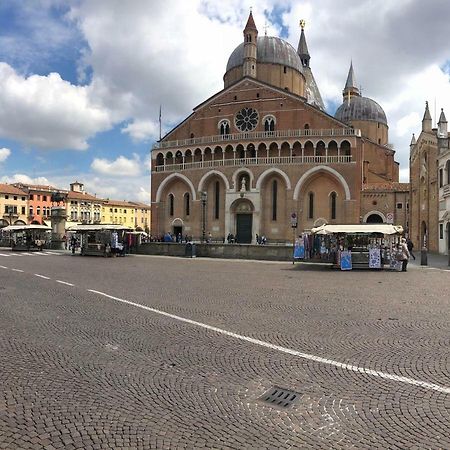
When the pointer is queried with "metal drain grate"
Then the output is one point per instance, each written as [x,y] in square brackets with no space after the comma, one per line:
[280,397]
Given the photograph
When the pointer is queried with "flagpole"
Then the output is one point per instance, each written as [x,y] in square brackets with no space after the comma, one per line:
[159,122]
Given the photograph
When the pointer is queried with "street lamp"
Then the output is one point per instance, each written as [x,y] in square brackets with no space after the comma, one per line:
[203,197]
[10,212]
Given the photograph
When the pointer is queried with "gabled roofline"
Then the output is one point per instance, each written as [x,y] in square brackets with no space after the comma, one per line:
[263,84]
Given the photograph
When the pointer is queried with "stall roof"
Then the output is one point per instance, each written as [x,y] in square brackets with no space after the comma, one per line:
[382,228]
[26,227]
[97,227]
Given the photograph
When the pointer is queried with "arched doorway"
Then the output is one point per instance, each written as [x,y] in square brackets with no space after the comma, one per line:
[374,218]
[177,228]
[242,210]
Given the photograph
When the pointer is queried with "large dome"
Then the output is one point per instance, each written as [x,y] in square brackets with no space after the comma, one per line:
[270,49]
[360,108]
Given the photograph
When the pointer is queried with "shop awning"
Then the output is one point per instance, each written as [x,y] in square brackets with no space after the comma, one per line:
[111,227]
[26,227]
[382,228]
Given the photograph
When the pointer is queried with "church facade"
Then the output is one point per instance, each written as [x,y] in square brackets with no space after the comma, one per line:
[263,150]
[429,164]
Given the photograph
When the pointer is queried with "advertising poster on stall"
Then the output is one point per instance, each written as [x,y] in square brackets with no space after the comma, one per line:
[346,260]
[374,258]
[299,250]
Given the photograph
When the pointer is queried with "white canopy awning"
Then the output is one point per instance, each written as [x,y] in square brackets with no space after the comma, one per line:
[382,228]
[111,227]
[26,227]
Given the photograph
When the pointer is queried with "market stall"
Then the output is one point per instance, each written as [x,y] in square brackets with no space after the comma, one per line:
[359,246]
[27,237]
[102,240]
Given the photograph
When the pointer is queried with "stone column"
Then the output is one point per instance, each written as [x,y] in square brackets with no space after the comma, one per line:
[58,221]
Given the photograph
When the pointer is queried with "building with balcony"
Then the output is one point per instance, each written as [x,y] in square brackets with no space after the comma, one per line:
[263,149]
[13,205]
[81,206]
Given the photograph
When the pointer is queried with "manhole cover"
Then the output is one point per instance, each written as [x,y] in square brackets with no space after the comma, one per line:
[280,397]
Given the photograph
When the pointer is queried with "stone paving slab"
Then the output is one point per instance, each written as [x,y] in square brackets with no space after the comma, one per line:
[83,371]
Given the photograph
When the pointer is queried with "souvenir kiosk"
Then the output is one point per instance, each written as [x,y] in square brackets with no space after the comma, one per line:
[28,237]
[101,240]
[370,246]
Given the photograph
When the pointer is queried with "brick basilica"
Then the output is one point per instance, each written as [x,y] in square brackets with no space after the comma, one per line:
[264,148]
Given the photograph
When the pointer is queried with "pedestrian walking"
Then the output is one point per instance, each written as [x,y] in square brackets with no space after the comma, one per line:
[410,246]
[404,254]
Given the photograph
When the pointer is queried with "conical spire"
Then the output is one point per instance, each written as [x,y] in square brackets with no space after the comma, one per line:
[350,89]
[426,121]
[442,125]
[426,115]
[302,49]
[250,23]
[351,79]
[413,140]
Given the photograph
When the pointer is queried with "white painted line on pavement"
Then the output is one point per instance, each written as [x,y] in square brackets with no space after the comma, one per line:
[51,253]
[17,270]
[3,267]
[4,254]
[41,276]
[319,359]
[65,282]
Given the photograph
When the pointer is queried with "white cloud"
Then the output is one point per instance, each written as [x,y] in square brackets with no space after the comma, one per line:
[4,154]
[22,178]
[120,167]
[142,130]
[48,112]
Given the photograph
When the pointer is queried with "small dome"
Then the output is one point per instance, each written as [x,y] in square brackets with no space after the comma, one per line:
[269,49]
[360,108]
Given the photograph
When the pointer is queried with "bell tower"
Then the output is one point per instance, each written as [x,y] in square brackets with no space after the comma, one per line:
[250,47]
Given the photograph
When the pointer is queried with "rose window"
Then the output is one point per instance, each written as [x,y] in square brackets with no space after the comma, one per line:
[246,119]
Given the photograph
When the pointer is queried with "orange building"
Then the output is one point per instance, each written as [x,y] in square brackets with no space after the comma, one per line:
[39,202]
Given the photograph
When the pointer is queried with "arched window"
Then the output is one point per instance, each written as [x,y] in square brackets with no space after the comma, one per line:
[269,124]
[224,127]
[216,199]
[274,199]
[311,205]
[333,205]
[448,171]
[306,126]
[187,204]
[171,202]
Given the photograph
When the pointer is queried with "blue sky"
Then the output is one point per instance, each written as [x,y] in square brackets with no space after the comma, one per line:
[81,81]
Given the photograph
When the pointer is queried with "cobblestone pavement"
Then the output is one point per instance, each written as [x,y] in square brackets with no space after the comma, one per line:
[81,370]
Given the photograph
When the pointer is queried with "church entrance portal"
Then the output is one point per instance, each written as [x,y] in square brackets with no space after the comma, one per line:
[244,228]
[374,218]
[176,230]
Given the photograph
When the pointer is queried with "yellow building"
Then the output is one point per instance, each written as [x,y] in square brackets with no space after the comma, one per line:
[13,205]
[118,212]
[142,215]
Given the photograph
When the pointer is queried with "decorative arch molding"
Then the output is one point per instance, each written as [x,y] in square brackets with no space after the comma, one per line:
[177,221]
[267,172]
[210,173]
[312,171]
[170,178]
[377,213]
[243,170]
